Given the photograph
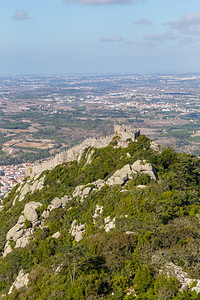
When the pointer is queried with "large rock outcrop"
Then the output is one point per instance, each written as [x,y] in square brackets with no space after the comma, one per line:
[56,203]
[121,176]
[172,270]
[17,230]
[19,233]
[30,211]
[77,230]
[21,281]
[29,187]
[140,166]
[82,191]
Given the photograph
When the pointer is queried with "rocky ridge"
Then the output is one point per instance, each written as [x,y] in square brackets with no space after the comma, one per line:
[120,177]
[22,235]
[37,215]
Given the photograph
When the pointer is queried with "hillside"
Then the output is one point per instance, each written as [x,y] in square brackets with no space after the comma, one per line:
[122,223]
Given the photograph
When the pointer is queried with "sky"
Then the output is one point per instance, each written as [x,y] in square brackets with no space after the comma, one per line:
[99,36]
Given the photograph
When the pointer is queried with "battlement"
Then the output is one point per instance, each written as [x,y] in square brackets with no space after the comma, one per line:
[126,132]
[75,153]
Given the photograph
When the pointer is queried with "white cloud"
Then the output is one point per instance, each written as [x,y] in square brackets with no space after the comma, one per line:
[103,2]
[113,39]
[166,36]
[20,15]
[186,41]
[187,24]
[143,21]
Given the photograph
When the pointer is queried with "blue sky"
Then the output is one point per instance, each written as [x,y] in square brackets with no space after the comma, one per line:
[99,36]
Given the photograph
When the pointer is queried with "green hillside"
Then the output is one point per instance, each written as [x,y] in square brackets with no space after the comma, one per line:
[113,241]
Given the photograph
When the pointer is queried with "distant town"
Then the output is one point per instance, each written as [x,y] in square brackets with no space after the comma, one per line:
[10,175]
[44,115]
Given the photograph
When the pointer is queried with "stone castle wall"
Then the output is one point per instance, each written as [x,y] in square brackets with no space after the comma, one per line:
[75,153]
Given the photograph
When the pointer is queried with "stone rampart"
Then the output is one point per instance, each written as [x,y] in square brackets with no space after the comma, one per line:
[76,152]
[71,154]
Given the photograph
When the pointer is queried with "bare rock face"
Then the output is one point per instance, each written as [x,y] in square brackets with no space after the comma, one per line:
[16,231]
[140,166]
[155,147]
[82,191]
[25,190]
[124,174]
[7,249]
[19,235]
[37,184]
[99,183]
[77,231]
[65,199]
[45,214]
[109,224]
[120,176]
[89,156]
[196,288]
[29,211]
[14,201]
[56,235]
[78,190]
[21,281]
[86,191]
[141,186]
[29,187]
[25,239]
[55,203]
[33,187]
[97,213]
[173,270]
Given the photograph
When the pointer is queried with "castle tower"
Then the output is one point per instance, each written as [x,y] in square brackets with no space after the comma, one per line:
[126,132]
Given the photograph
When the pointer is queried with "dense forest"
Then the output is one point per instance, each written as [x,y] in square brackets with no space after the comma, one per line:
[156,224]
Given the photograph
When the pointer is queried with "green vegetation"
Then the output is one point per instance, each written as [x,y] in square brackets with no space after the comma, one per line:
[15,125]
[196,139]
[162,220]
[58,127]
[30,155]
